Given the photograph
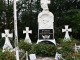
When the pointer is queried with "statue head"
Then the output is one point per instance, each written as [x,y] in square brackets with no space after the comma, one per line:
[44,4]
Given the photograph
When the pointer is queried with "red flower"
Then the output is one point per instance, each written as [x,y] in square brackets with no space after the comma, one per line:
[7,56]
[78,54]
[74,54]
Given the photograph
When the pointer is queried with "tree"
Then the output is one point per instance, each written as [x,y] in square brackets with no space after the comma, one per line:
[57,7]
[72,18]
[27,13]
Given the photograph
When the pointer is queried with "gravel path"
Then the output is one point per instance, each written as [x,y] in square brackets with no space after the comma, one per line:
[45,58]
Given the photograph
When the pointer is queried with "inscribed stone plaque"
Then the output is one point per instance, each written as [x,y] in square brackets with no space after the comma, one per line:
[45,34]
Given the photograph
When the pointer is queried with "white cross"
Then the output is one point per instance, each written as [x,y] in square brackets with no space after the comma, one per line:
[27,39]
[67,30]
[7,44]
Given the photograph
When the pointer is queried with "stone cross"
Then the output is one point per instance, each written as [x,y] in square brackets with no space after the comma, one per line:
[66,34]
[7,44]
[27,38]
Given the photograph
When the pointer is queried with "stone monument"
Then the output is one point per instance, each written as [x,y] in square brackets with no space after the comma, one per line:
[7,44]
[27,38]
[66,34]
[45,23]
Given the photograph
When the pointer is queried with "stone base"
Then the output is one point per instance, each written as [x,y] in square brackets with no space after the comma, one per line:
[7,45]
[28,40]
[53,41]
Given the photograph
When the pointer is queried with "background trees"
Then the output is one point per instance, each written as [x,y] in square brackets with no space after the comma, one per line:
[65,12]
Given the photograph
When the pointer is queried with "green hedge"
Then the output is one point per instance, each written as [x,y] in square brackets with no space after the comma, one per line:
[41,49]
[25,46]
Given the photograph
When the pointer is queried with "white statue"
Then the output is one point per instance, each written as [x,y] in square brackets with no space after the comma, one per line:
[44,4]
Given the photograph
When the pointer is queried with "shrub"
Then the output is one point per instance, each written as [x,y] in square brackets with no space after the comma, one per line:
[25,46]
[43,49]
[7,55]
[67,50]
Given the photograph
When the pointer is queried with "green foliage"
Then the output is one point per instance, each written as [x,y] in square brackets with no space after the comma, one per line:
[72,18]
[65,12]
[7,55]
[43,49]
[67,49]
[25,46]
